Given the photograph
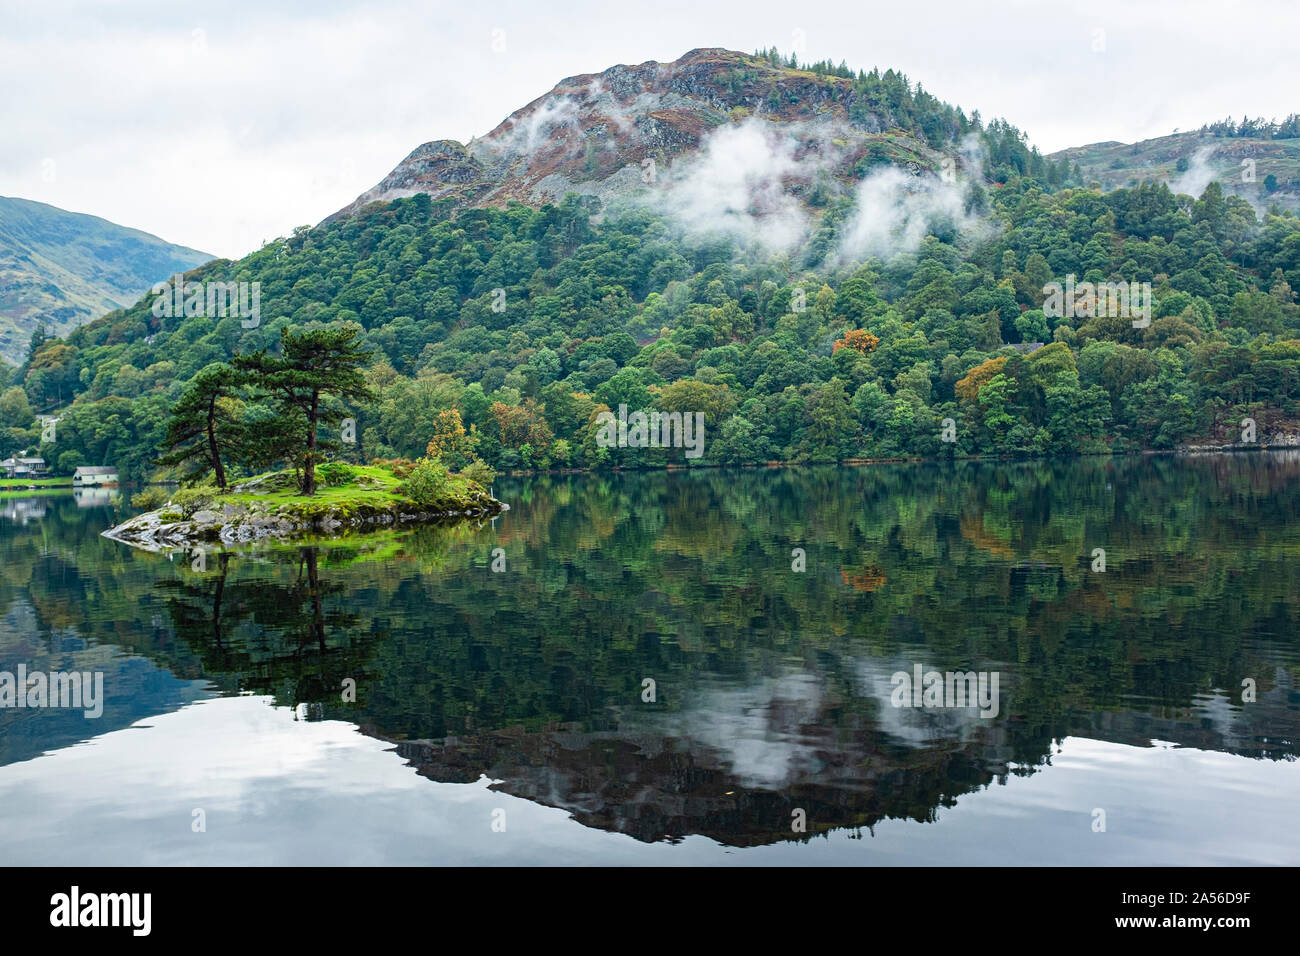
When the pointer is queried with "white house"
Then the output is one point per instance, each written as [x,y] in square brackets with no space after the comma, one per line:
[90,475]
[24,467]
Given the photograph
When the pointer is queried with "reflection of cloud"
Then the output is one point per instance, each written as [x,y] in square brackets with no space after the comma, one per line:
[756,728]
[919,726]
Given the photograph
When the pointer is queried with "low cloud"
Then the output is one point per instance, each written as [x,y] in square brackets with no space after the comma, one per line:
[1199,173]
[736,185]
[741,184]
[896,209]
[539,128]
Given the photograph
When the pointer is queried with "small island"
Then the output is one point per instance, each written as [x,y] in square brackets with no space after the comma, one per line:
[272,506]
[270,410]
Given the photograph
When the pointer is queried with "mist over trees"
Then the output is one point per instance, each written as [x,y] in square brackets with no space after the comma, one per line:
[529,322]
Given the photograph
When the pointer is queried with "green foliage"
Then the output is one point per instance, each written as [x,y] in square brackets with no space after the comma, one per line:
[428,482]
[315,366]
[190,500]
[204,428]
[388,318]
[150,499]
[481,472]
[335,474]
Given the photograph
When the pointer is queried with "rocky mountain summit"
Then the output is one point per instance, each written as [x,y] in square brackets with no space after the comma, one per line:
[616,132]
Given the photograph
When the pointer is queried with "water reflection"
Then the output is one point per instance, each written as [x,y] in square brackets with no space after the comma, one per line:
[772,686]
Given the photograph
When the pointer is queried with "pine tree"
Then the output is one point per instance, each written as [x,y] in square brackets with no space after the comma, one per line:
[313,365]
[202,428]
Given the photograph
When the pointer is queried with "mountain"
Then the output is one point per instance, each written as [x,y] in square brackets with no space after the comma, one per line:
[1189,161]
[819,264]
[64,268]
[599,133]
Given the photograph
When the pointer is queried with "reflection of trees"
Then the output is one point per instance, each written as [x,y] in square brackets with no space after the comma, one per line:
[533,676]
[272,630]
[1199,592]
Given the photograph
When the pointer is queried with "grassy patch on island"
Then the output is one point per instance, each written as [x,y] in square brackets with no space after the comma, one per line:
[343,491]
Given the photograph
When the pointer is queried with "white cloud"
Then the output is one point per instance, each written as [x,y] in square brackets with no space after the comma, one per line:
[1198,174]
[735,186]
[896,209]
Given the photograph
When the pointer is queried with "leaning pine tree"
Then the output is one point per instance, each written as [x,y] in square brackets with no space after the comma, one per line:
[203,427]
[313,366]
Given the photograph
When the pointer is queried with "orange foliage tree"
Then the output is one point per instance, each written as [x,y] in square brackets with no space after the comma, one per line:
[859,340]
[522,425]
[969,387]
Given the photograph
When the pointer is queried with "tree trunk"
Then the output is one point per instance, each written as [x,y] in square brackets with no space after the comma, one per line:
[213,452]
[309,467]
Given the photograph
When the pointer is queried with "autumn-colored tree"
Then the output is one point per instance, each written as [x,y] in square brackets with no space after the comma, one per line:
[450,440]
[688,395]
[968,388]
[522,425]
[859,340]
[868,579]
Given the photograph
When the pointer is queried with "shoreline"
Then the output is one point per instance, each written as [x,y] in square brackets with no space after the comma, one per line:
[775,464]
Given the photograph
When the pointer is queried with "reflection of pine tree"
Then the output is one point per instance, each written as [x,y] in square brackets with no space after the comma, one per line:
[269,634]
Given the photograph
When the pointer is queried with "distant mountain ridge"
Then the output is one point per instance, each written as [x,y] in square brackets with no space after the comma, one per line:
[1189,160]
[64,268]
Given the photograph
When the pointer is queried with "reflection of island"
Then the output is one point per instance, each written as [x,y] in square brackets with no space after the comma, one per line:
[774,686]
[268,633]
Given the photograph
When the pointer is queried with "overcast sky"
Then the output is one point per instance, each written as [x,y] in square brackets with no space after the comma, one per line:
[221,125]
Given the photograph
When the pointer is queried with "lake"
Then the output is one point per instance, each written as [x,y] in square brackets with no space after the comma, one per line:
[683,668]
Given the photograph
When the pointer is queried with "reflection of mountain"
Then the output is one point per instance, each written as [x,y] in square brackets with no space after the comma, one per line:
[134,687]
[773,686]
[737,774]
[734,766]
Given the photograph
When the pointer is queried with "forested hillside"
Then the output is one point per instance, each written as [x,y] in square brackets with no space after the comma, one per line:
[59,269]
[529,320]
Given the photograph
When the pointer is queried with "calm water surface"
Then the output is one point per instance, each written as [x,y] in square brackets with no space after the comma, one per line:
[517,696]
